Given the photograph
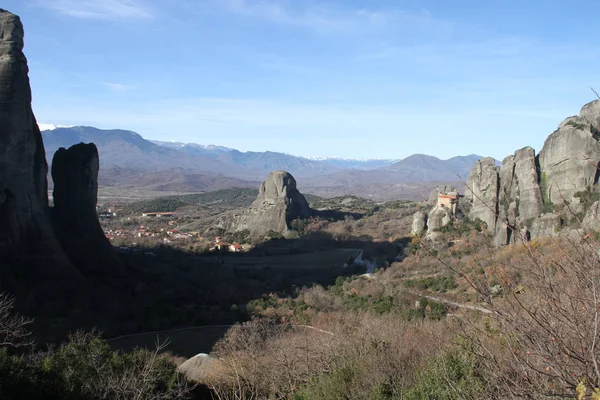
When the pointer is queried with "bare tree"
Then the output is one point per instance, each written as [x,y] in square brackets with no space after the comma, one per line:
[14,330]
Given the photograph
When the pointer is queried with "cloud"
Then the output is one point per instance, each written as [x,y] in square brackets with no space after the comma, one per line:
[100,9]
[323,19]
[117,87]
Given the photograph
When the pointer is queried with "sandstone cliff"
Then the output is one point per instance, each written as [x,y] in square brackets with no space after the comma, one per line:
[278,203]
[535,196]
[45,254]
[75,176]
[24,218]
[570,156]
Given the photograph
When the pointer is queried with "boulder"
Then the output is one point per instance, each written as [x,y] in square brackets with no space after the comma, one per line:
[545,225]
[278,203]
[75,176]
[570,156]
[438,217]
[482,189]
[419,224]
[202,368]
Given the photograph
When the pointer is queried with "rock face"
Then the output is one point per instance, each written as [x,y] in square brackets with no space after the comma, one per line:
[201,368]
[75,176]
[433,195]
[419,224]
[545,225]
[591,220]
[528,188]
[278,203]
[570,156]
[24,219]
[482,190]
[45,254]
[438,217]
[527,185]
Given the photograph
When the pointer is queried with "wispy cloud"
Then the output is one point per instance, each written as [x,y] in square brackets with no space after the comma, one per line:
[100,9]
[116,87]
[322,18]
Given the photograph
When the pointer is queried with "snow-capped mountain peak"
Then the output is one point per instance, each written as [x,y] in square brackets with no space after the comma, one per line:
[51,127]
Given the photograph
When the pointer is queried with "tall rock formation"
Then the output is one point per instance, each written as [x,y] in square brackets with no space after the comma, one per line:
[45,254]
[278,203]
[24,219]
[570,156]
[529,185]
[419,224]
[482,189]
[75,176]
[529,194]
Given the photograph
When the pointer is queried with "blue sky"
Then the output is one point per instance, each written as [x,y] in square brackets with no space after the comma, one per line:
[376,79]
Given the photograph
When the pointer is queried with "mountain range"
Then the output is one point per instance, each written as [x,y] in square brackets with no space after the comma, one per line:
[129,160]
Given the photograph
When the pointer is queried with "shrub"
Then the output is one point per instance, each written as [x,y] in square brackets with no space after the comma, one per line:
[452,375]
[577,125]
[85,367]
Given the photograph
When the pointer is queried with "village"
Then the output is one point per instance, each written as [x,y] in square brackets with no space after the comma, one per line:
[149,229]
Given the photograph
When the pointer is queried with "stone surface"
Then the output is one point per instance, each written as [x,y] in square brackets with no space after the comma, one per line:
[24,218]
[201,368]
[438,217]
[482,189]
[433,195]
[75,176]
[278,203]
[591,220]
[529,194]
[545,225]
[507,202]
[419,224]
[571,154]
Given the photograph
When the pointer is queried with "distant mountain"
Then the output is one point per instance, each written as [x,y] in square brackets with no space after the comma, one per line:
[129,150]
[123,149]
[349,163]
[401,175]
[129,160]
[421,167]
[302,166]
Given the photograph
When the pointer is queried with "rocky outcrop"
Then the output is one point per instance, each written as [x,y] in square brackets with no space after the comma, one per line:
[433,195]
[482,191]
[438,217]
[45,254]
[570,156]
[591,220]
[278,203]
[545,225]
[519,197]
[75,176]
[528,188]
[201,368]
[24,218]
[419,224]
[531,188]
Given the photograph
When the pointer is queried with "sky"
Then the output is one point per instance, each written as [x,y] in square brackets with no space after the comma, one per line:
[345,78]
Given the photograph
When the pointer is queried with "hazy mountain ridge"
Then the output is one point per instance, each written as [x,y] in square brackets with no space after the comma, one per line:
[129,160]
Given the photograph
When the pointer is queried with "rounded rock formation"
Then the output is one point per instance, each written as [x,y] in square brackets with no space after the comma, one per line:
[278,203]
